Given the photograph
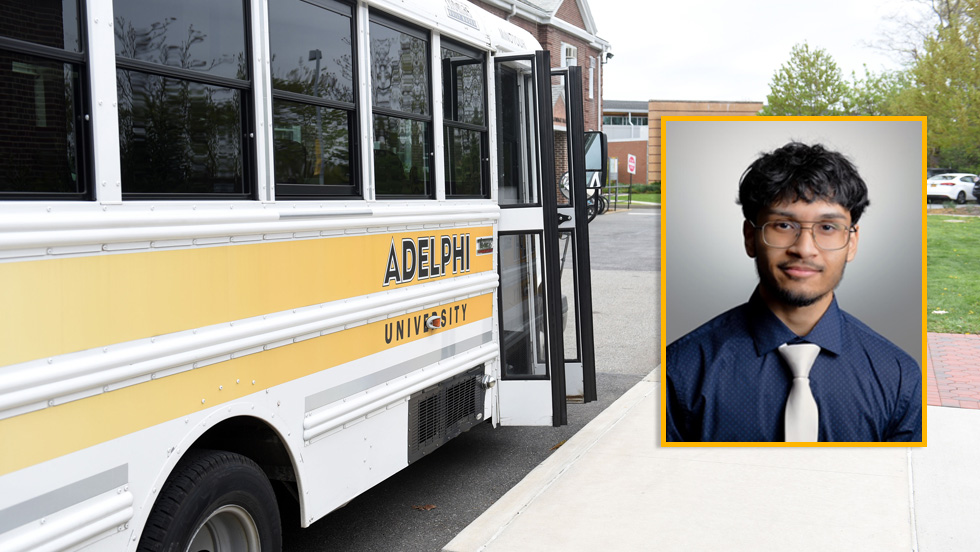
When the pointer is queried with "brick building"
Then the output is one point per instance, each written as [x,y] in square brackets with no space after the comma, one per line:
[625,125]
[566,29]
[661,108]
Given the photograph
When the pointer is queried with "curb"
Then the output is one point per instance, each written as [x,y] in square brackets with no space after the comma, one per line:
[492,523]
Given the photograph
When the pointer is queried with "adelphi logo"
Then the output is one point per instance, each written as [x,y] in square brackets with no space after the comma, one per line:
[425,257]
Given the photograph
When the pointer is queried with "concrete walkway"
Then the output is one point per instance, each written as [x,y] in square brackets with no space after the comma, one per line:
[611,488]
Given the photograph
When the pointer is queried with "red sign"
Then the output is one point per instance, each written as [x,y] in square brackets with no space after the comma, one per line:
[631,163]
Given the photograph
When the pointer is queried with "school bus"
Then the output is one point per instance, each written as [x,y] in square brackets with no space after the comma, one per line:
[268,250]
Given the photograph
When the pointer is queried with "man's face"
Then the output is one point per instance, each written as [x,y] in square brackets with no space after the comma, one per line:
[801,274]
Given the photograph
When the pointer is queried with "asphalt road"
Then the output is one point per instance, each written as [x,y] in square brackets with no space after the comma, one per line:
[468,474]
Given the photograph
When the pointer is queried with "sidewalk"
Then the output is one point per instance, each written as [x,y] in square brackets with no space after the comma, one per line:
[954,370]
[612,488]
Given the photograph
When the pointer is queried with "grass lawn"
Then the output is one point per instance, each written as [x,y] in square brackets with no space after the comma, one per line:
[650,198]
[953,264]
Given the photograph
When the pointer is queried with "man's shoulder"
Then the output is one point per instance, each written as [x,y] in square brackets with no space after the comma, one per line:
[727,325]
[878,345]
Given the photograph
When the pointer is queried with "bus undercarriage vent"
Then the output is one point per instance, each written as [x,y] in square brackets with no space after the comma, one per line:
[443,411]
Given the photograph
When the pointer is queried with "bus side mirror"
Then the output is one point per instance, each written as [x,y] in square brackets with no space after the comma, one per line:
[596,159]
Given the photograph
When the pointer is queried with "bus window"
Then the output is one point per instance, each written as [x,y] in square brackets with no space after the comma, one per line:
[41,138]
[313,98]
[402,112]
[465,115]
[183,85]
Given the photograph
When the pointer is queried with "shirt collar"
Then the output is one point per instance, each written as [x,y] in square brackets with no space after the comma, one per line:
[768,331]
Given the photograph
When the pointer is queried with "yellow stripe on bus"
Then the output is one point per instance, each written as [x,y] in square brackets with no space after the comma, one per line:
[55,431]
[57,306]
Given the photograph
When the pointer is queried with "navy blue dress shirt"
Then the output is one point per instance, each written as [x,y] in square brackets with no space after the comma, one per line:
[726,380]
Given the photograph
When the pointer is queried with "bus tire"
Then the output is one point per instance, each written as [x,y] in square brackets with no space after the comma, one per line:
[217,501]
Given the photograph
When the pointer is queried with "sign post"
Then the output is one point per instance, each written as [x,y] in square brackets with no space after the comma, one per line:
[631,168]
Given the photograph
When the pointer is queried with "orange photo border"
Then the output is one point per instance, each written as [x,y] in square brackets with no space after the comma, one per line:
[664,192]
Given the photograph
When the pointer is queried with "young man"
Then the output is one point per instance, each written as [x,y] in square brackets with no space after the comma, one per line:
[790,365]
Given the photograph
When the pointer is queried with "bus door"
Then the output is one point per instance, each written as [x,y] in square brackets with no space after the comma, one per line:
[534,317]
[573,234]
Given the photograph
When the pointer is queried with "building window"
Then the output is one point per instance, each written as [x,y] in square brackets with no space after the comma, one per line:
[465,119]
[400,92]
[42,136]
[569,55]
[635,120]
[313,98]
[183,85]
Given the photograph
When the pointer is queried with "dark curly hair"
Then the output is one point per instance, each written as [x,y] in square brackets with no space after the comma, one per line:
[798,172]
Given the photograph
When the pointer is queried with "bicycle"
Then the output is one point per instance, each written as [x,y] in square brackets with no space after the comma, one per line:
[596,204]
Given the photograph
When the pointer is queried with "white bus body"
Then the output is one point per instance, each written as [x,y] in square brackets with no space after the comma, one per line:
[328,341]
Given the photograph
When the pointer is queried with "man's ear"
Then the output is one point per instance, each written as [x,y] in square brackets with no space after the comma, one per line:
[748,232]
[852,245]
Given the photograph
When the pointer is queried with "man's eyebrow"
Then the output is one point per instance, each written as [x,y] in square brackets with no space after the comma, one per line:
[822,216]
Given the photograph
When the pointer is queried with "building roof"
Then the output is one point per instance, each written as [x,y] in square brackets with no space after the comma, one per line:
[624,105]
[546,12]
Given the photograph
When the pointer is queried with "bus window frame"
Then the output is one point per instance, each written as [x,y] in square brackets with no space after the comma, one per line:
[450,103]
[353,190]
[78,60]
[247,97]
[399,25]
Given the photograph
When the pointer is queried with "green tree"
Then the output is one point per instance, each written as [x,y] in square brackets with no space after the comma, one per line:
[876,94]
[946,88]
[810,84]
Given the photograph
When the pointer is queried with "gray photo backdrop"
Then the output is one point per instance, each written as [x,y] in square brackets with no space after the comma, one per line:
[707,269]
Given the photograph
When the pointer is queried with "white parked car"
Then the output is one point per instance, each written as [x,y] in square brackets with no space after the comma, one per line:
[955,186]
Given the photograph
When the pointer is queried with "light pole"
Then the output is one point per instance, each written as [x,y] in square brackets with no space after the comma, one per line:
[317,55]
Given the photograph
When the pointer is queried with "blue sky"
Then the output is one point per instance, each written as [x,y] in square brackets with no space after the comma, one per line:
[723,50]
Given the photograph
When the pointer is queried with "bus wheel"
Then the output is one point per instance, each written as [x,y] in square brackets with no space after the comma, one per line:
[215,501]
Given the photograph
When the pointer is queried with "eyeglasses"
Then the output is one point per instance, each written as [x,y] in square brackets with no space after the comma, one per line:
[782,234]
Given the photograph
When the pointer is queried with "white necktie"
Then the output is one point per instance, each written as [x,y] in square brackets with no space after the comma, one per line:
[801,410]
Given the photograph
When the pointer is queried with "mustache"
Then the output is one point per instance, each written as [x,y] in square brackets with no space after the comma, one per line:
[798,264]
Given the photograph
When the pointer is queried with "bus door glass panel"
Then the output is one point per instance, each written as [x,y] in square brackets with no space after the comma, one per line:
[522,318]
[516,117]
[563,146]
[569,319]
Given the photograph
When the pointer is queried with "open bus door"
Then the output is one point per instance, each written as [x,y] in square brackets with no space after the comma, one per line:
[545,306]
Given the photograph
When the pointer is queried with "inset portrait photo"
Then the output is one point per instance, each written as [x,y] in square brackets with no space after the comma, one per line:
[793,272]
